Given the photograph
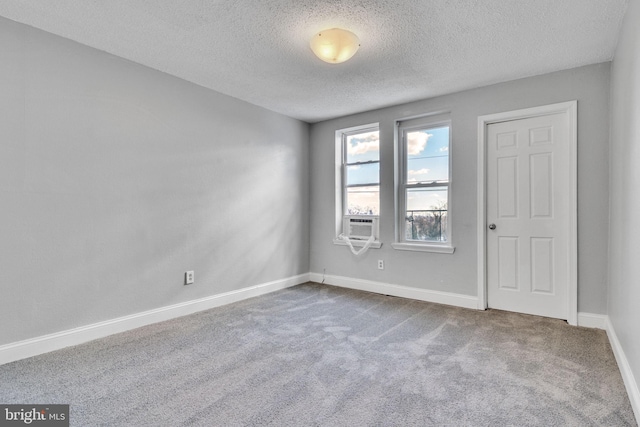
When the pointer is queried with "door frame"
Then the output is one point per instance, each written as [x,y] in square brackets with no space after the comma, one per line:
[571,110]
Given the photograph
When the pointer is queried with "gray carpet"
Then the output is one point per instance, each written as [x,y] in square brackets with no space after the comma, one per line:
[320,355]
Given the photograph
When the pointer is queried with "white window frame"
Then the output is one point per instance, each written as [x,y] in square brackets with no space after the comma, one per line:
[340,181]
[402,127]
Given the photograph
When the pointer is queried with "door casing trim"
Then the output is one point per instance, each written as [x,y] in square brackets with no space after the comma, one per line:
[571,110]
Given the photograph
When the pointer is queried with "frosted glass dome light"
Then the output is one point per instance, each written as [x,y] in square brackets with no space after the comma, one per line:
[335,45]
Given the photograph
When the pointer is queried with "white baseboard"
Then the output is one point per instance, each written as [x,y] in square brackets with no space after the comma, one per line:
[588,320]
[625,370]
[44,344]
[447,298]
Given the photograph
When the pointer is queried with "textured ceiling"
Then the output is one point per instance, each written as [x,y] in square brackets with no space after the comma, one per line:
[259,51]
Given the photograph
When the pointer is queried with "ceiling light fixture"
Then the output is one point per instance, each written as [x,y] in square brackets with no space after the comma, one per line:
[335,45]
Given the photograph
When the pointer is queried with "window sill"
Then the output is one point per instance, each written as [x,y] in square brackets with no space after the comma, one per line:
[423,247]
[358,243]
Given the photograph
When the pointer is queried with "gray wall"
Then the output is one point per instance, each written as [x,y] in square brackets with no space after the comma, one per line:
[115,179]
[624,259]
[457,273]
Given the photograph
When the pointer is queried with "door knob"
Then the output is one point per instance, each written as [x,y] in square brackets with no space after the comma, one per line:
[492,226]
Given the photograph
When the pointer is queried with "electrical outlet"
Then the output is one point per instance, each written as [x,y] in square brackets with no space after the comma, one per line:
[188,278]
[380,264]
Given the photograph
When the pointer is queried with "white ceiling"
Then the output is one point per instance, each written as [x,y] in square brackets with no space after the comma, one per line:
[258,50]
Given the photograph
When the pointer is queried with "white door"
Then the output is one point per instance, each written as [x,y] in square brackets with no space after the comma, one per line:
[529,215]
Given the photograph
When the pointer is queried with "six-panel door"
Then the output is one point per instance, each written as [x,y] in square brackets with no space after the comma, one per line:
[528,190]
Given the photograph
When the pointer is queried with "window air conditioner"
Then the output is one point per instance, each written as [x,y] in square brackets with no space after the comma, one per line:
[360,227]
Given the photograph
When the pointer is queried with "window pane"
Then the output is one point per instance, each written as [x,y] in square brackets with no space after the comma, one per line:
[363,147]
[428,142]
[363,200]
[428,169]
[426,216]
[363,174]
[428,155]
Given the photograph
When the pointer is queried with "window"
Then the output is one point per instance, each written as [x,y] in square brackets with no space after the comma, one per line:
[357,176]
[423,185]
[361,172]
